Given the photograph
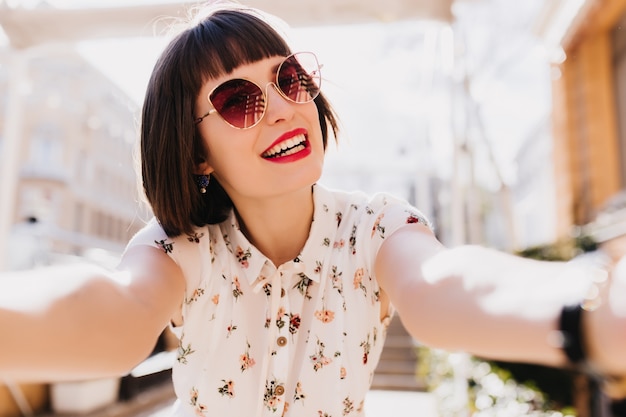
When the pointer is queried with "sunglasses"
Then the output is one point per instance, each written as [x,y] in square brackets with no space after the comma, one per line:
[242,103]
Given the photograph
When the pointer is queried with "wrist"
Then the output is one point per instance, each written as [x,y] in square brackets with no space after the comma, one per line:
[581,340]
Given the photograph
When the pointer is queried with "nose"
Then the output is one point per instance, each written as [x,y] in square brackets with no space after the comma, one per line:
[278,107]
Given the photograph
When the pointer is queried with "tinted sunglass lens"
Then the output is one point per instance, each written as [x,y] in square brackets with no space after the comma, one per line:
[299,77]
[239,102]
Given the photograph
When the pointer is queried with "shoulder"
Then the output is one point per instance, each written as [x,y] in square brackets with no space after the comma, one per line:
[152,234]
[193,254]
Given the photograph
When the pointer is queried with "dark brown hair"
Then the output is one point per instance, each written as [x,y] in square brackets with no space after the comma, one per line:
[170,144]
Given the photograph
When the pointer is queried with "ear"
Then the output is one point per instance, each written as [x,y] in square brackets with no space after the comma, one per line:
[203,167]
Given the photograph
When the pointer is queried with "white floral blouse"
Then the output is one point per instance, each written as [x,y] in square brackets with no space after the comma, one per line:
[301,339]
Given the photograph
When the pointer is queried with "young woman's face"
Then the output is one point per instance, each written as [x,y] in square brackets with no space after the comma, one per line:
[282,153]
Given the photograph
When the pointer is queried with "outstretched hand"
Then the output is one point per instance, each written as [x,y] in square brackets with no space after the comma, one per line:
[604,332]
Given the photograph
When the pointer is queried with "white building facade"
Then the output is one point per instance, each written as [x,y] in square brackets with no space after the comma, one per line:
[76,176]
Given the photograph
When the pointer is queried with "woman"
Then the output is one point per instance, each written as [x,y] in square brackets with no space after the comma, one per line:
[279,289]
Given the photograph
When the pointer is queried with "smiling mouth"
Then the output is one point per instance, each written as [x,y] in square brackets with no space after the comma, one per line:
[286,148]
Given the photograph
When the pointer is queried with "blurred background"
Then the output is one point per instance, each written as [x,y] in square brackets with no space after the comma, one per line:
[500,119]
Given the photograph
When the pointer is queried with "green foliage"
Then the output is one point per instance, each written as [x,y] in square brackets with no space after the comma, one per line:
[563,250]
[464,384]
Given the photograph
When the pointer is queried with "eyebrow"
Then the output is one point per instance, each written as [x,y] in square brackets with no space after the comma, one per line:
[275,67]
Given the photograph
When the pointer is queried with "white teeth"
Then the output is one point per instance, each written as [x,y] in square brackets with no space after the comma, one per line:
[288,147]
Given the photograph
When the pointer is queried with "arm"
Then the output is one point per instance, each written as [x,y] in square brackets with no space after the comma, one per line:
[72,322]
[474,299]
[604,329]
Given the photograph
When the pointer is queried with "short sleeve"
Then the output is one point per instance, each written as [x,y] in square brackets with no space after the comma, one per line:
[384,214]
[152,234]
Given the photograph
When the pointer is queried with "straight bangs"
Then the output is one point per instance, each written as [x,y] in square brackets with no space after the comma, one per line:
[235,39]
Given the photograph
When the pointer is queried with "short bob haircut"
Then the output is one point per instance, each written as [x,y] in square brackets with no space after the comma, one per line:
[170,145]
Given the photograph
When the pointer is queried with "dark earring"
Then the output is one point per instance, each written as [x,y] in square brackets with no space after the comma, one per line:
[203,181]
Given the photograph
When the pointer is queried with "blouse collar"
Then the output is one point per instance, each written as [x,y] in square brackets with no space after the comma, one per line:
[321,236]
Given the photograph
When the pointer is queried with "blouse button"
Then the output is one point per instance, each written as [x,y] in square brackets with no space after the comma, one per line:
[282,292]
[280,390]
[281,341]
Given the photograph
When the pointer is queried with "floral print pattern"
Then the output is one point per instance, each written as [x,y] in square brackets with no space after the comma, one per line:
[227,389]
[243,256]
[167,247]
[244,324]
[246,361]
[358,280]
[199,409]
[324,315]
[318,359]
[183,352]
[272,397]
[195,295]
[294,323]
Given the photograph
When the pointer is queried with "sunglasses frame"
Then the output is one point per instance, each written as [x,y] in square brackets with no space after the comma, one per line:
[276,86]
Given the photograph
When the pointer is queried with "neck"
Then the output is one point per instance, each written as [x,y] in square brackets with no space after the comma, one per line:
[278,226]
